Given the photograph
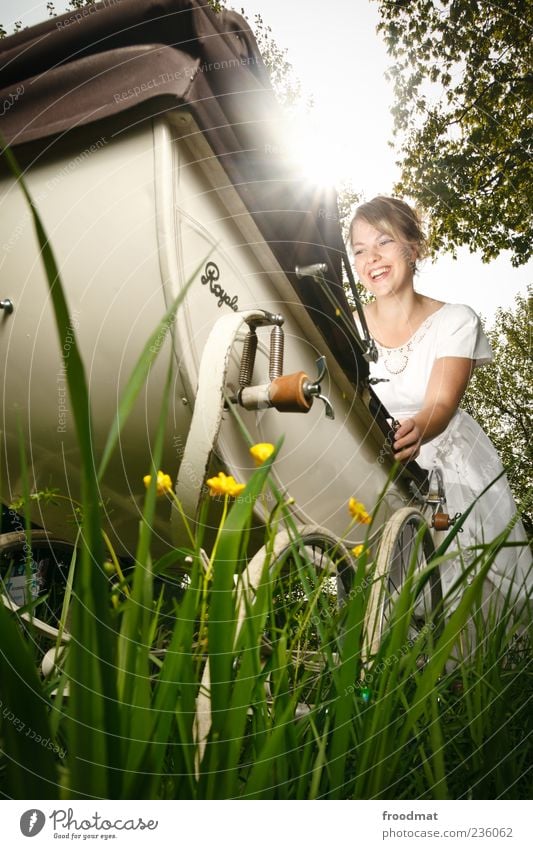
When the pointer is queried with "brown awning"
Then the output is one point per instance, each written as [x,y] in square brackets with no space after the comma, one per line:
[102,60]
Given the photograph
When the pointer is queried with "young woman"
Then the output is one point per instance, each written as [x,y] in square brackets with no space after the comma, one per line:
[427,352]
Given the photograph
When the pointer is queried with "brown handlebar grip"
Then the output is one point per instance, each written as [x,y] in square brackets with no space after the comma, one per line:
[287,393]
[441,521]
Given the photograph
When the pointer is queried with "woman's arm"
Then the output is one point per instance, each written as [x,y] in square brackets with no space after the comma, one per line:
[447,384]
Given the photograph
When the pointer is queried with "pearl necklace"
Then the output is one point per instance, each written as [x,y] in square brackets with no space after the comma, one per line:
[395,359]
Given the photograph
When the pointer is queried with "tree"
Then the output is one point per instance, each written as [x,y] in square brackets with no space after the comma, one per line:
[462,80]
[287,87]
[499,397]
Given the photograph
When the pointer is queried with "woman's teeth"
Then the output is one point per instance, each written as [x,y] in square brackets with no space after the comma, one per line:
[379,272]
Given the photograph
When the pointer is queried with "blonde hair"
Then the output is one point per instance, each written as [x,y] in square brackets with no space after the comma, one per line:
[395,218]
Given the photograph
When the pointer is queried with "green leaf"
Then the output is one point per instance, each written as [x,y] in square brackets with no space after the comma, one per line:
[28,743]
[94,737]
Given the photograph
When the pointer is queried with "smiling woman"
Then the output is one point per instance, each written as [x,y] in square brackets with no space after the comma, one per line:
[380,259]
[427,352]
[387,239]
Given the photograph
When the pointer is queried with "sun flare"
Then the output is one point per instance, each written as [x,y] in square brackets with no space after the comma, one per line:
[319,152]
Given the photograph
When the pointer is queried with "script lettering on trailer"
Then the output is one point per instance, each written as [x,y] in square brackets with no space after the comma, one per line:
[209,277]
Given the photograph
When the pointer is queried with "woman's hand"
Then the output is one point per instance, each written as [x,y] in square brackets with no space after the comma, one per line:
[407,441]
[447,383]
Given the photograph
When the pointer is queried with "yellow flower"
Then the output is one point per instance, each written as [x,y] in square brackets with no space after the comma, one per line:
[359,512]
[357,550]
[164,482]
[261,452]
[224,485]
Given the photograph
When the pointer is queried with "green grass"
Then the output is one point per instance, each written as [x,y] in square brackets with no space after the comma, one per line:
[296,707]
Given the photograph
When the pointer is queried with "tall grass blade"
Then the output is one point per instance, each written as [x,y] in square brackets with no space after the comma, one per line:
[134,684]
[222,623]
[94,726]
[32,767]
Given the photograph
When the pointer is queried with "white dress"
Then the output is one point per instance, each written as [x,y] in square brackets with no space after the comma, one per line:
[463,452]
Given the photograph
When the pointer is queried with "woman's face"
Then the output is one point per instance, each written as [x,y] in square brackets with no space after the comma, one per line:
[384,265]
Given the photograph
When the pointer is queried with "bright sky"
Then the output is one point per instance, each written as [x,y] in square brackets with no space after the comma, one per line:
[341,61]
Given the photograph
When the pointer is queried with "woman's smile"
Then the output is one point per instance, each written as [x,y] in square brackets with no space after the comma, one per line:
[380,273]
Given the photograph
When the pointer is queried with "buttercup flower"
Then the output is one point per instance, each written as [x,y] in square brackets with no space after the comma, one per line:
[261,452]
[224,485]
[164,482]
[357,550]
[359,512]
